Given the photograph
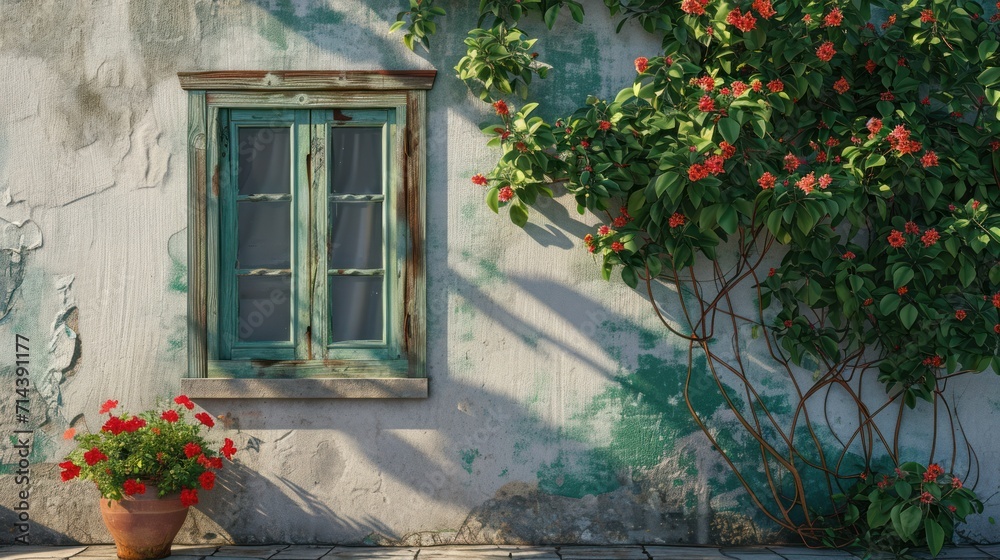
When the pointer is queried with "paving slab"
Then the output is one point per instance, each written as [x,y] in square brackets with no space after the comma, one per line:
[684,553]
[751,553]
[462,553]
[302,552]
[992,549]
[805,553]
[32,552]
[98,550]
[533,553]
[601,553]
[371,552]
[193,550]
[256,551]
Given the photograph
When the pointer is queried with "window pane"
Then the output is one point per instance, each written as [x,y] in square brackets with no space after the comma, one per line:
[265,160]
[265,308]
[355,235]
[264,235]
[356,161]
[355,308]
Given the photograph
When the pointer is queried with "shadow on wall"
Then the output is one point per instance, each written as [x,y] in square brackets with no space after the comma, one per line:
[21,531]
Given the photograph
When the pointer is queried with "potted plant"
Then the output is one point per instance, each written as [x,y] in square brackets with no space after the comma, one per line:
[148,468]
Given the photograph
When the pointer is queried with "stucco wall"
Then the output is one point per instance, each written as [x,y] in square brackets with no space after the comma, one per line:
[555,412]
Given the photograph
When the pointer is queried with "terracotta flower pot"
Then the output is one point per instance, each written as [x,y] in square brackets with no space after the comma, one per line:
[143,525]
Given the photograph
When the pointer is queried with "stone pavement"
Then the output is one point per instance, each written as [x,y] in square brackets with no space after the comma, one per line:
[300,552]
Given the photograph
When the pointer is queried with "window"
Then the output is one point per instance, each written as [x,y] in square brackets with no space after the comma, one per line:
[305,234]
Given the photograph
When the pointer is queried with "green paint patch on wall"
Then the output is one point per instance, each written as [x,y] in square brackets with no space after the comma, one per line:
[178,277]
[575,474]
[468,457]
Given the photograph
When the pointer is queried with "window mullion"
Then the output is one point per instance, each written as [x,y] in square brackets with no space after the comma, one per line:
[302,265]
[318,192]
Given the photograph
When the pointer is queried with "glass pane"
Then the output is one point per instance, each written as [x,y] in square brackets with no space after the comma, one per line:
[355,235]
[355,308]
[356,161]
[265,160]
[263,235]
[265,308]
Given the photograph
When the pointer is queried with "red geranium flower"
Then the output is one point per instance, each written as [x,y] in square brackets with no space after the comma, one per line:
[479,179]
[641,64]
[69,470]
[775,86]
[205,419]
[896,239]
[131,487]
[841,86]
[207,480]
[604,125]
[764,8]
[501,107]
[930,237]
[170,415]
[228,449]
[184,401]
[189,497]
[108,406]
[506,193]
[192,450]
[766,180]
[826,51]
[617,246]
[115,425]
[94,456]
[134,423]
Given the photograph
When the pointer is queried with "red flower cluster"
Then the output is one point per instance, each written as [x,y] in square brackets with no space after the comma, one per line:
[192,450]
[911,228]
[826,51]
[617,246]
[896,239]
[902,291]
[205,419]
[694,7]
[764,8]
[184,401]
[930,237]
[873,125]
[69,470]
[501,108]
[807,183]
[870,66]
[889,22]
[956,482]
[848,256]
[603,230]
[207,480]
[228,449]
[604,125]
[927,16]
[706,83]
[170,415]
[706,104]
[677,220]
[933,361]
[834,18]
[506,193]
[926,498]
[775,86]
[841,86]
[189,497]
[739,88]
[108,406]
[744,22]
[479,179]
[825,181]
[728,150]
[766,180]
[899,140]
[934,470]
[929,159]
[960,314]
[94,456]
[116,425]
[132,487]
[641,64]
[791,163]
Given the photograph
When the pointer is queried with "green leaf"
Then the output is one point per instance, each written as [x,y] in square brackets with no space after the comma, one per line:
[987,48]
[729,128]
[874,160]
[550,15]
[908,315]
[902,276]
[990,76]
[935,536]
[729,220]
[909,520]
[629,276]
[518,215]
[492,200]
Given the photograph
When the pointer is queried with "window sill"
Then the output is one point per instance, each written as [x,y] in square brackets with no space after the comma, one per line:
[332,388]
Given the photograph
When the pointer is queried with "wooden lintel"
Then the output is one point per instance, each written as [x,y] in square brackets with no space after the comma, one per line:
[307,80]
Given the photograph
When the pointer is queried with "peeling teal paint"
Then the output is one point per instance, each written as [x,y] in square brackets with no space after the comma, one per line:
[468,457]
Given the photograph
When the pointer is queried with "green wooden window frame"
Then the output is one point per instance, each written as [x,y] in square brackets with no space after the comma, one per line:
[312,106]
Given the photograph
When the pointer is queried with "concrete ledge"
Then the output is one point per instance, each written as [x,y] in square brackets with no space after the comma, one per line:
[329,388]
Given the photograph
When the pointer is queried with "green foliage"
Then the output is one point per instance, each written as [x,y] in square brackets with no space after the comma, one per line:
[157,447]
[913,507]
[418,22]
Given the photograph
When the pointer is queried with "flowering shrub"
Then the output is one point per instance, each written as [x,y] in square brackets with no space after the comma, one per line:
[913,506]
[842,156]
[156,448]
